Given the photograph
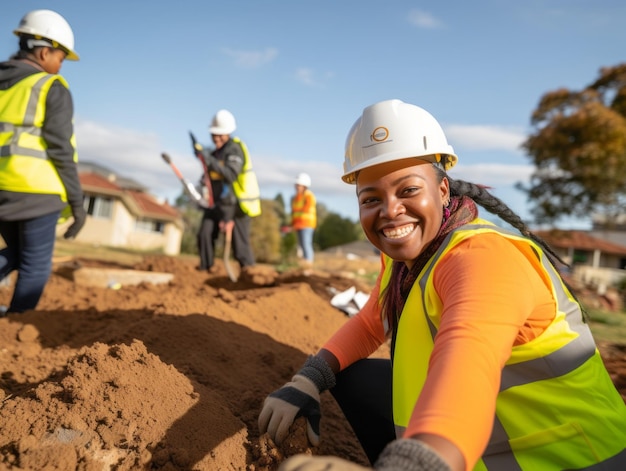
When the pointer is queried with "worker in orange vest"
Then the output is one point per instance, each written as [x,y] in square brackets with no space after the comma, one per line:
[304,217]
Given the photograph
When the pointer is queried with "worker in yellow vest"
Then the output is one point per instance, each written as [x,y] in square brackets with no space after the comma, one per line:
[492,366]
[304,217]
[38,159]
[235,193]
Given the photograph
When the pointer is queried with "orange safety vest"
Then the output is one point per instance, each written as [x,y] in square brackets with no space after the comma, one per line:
[303,210]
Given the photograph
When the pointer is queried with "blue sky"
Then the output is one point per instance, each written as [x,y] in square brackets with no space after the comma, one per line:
[297,74]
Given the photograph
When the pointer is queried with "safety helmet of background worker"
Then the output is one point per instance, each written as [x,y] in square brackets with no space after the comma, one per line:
[393,130]
[48,28]
[304,180]
[223,123]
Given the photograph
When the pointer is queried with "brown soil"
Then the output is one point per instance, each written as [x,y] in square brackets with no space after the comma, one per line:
[169,376]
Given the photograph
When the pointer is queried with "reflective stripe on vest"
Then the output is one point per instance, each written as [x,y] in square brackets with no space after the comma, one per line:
[246,187]
[24,163]
[535,426]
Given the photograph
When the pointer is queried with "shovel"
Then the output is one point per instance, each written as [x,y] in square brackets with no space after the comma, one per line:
[227,227]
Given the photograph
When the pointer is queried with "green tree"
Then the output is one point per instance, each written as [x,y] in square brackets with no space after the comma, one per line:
[336,230]
[265,233]
[191,224]
[579,150]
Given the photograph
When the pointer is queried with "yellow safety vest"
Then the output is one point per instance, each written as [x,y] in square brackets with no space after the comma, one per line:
[24,163]
[557,407]
[246,187]
[301,216]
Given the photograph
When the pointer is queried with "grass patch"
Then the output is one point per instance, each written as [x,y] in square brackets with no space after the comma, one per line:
[608,326]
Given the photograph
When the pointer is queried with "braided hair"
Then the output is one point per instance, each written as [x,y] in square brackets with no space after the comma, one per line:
[496,206]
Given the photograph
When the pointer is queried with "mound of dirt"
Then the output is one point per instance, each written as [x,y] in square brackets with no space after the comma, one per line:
[168,376]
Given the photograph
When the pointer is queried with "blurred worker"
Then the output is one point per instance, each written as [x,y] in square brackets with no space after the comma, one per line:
[235,193]
[304,217]
[38,159]
[492,366]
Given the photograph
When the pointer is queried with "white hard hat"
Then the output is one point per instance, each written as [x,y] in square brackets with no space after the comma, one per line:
[392,130]
[48,24]
[223,123]
[303,179]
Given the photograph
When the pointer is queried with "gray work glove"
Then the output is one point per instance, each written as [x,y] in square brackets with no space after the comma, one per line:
[80,216]
[404,454]
[299,397]
[410,455]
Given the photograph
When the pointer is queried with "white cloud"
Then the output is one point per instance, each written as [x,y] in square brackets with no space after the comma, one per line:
[137,155]
[482,137]
[308,77]
[492,174]
[252,59]
[133,154]
[424,20]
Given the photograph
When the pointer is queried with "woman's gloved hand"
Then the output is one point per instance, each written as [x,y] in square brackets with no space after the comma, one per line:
[299,397]
[405,454]
[304,462]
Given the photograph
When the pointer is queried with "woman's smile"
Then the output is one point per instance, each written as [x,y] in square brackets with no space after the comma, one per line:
[399,232]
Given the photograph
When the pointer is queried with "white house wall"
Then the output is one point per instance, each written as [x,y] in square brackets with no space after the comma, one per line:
[120,231]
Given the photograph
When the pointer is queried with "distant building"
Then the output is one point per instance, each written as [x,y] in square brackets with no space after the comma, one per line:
[594,260]
[121,213]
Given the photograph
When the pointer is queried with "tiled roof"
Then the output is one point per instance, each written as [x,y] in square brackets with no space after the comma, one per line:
[579,240]
[139,203]
[150,206]
[96,181]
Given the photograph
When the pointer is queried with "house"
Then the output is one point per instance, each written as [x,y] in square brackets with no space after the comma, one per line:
[594,260]
[121,213]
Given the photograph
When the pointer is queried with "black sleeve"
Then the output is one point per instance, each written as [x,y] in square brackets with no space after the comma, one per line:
[57,131]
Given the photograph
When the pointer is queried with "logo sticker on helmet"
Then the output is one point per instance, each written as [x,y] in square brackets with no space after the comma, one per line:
[380,134]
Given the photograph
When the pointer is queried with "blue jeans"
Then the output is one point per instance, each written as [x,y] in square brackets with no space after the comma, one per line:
[29,249]
[305,242]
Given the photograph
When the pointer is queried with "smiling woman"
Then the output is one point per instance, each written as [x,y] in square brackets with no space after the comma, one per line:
[469,307]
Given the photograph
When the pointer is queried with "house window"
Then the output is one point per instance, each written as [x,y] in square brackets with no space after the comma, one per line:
[580,256]
[98,206]
[149,225]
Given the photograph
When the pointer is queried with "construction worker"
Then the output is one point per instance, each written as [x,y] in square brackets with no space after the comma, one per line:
[492,366]
[235,193]
[304,217]
[38,160]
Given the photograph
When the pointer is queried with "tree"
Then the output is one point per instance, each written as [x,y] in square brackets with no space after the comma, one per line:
[579,150]
[336,230]
[265,235]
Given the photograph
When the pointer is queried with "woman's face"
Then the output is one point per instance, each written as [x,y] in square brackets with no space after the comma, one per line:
[401,206]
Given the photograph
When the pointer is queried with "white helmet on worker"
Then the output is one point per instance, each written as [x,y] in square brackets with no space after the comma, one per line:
[303,179]
[223,123]
[392,130]
[48,28]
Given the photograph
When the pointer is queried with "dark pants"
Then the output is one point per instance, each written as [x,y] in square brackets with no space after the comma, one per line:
[29,249]
[242,248]
[209,232]
[363,392]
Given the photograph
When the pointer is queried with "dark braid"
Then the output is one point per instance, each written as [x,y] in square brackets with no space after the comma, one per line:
[496,206]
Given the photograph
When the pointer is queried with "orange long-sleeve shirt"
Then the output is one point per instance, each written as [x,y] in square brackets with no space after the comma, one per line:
[493,299]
